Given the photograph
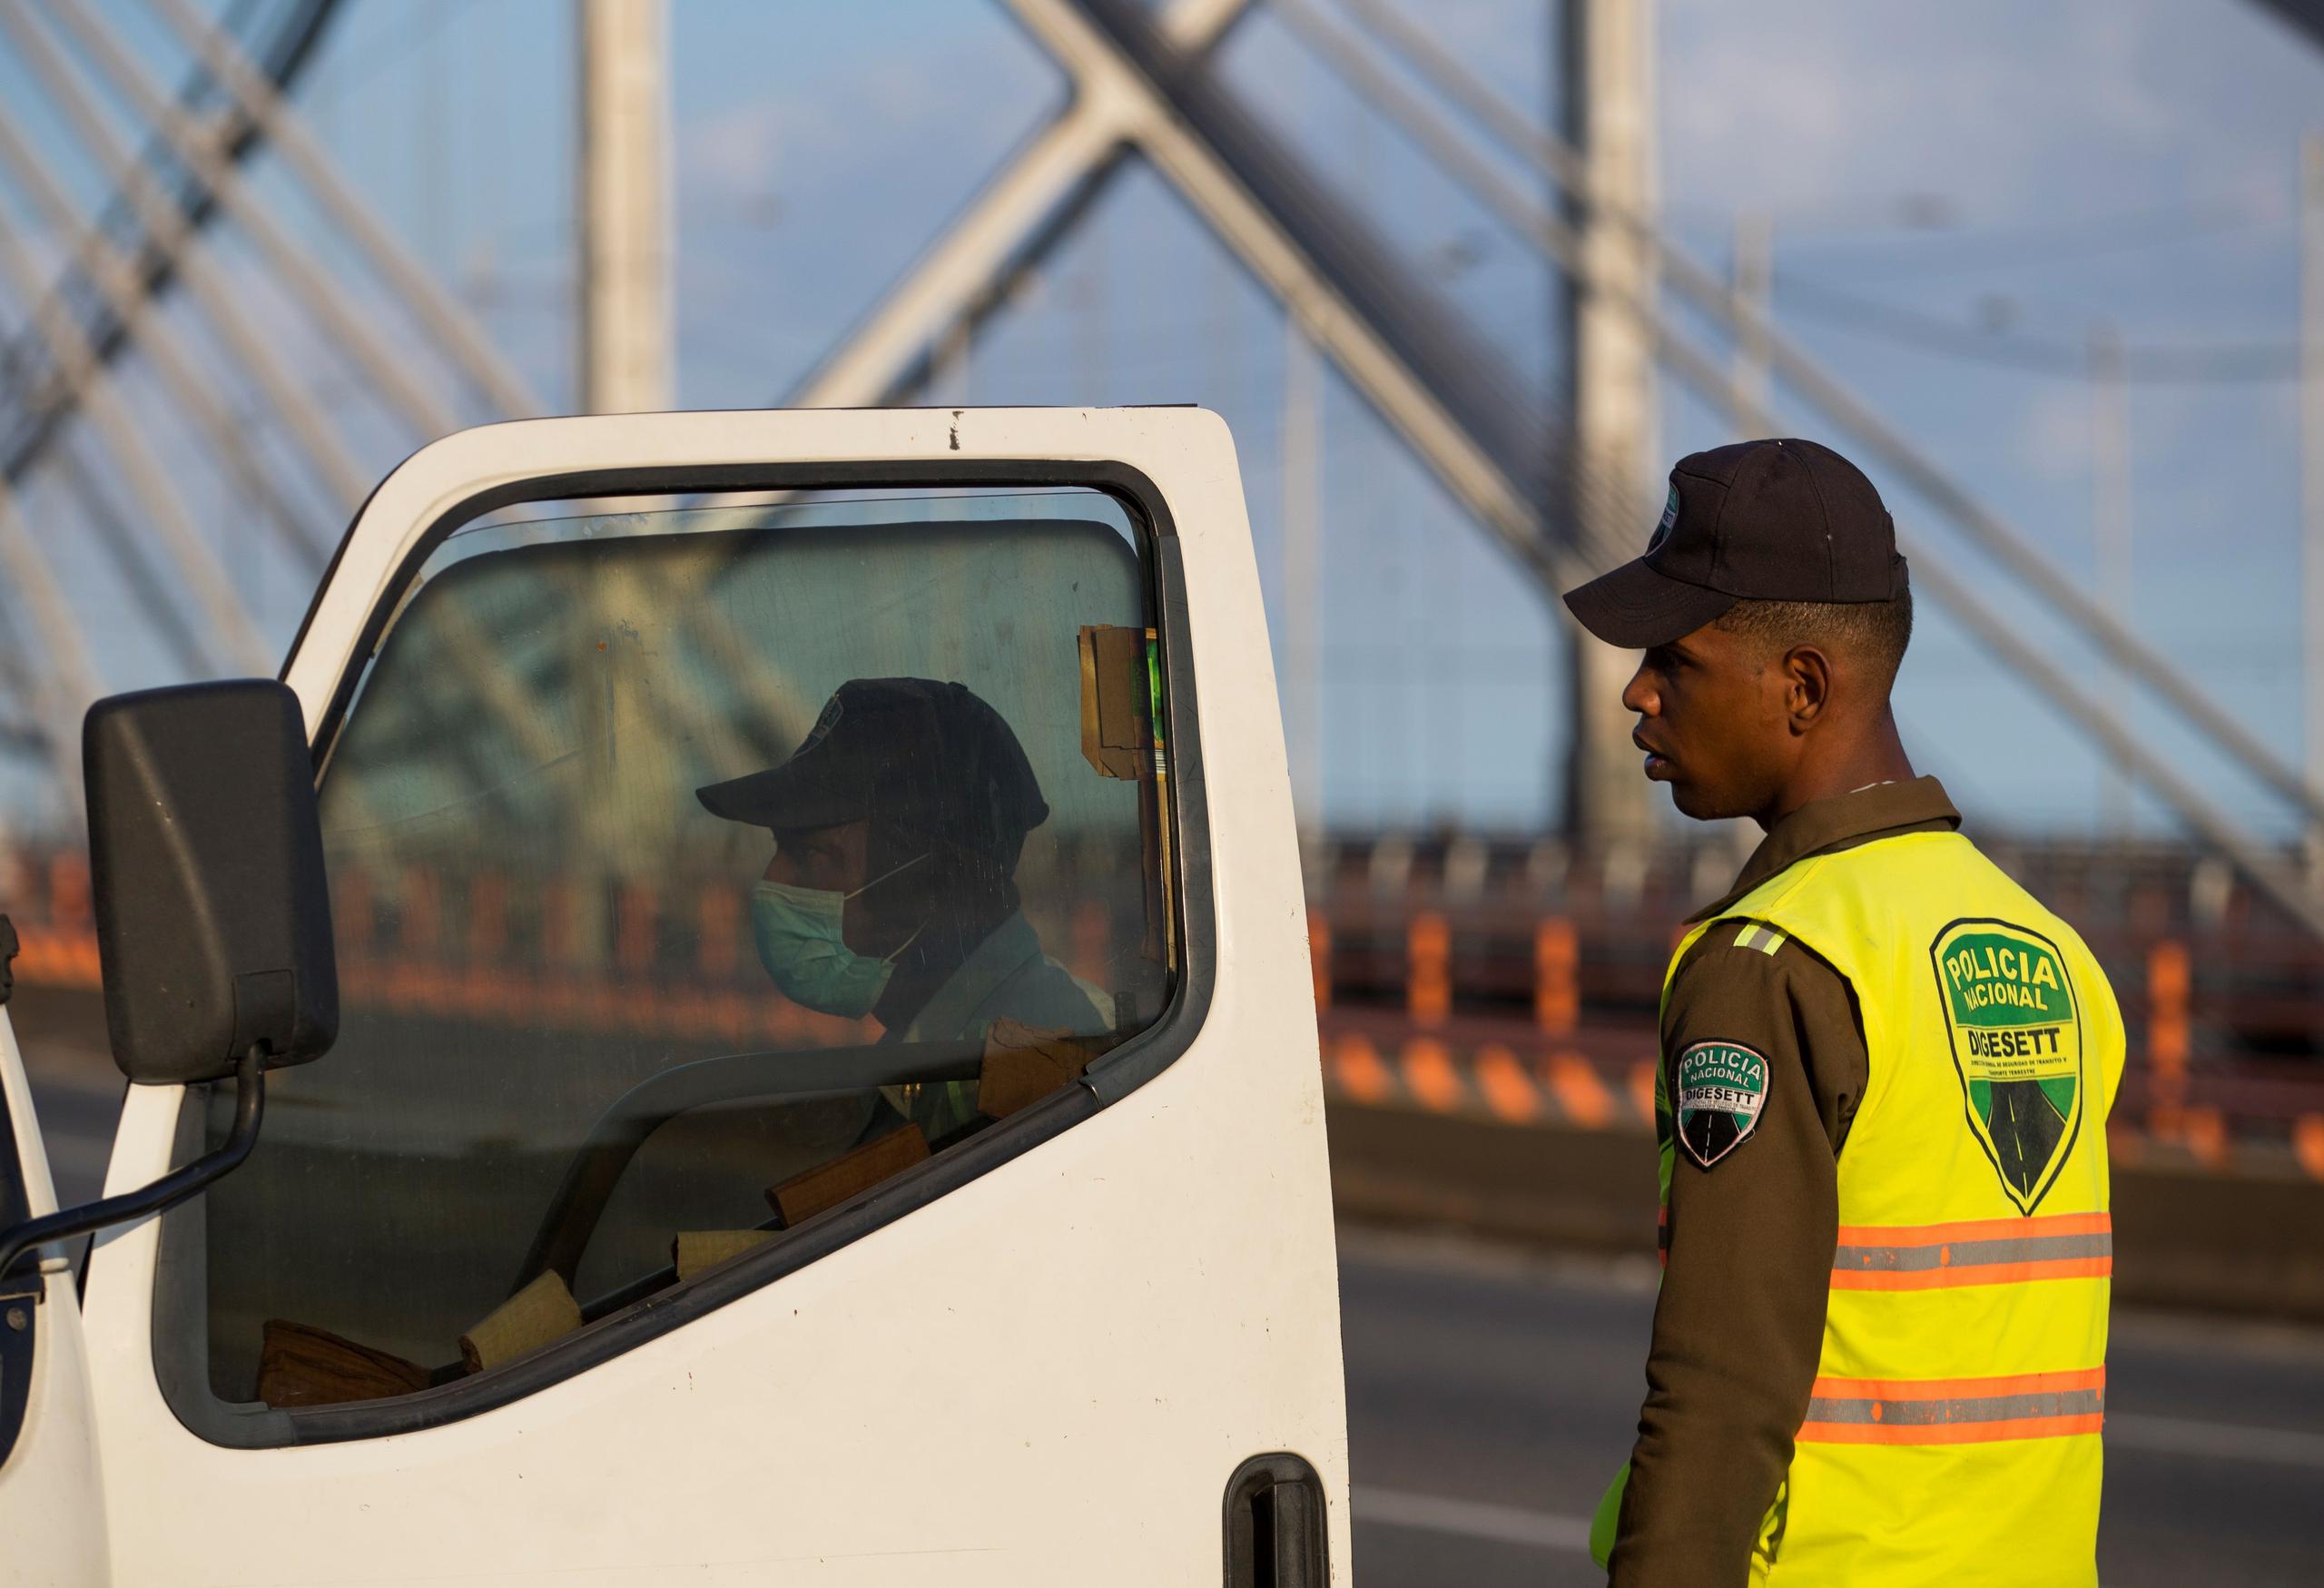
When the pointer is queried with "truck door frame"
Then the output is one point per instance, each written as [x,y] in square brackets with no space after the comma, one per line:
[1260,1372]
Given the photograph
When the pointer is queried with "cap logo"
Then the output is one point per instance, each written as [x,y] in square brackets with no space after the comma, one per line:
[1669,517]
[823,727]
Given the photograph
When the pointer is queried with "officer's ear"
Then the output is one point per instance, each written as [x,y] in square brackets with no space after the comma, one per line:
[1806,674]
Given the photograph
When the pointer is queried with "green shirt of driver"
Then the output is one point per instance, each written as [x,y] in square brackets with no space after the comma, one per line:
[1005,977]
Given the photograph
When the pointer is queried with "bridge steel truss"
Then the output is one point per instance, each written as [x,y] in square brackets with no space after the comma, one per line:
[1142,86]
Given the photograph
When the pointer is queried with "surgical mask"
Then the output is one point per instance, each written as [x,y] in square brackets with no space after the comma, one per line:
[800,944]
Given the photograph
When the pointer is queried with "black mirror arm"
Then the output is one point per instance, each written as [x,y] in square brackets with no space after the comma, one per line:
[250,1104]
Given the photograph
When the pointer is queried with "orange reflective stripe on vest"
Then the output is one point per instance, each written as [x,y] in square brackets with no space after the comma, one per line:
[1956,1411]
[1980,1251]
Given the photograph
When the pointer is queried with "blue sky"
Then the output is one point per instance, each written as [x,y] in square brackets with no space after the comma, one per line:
[2012,174]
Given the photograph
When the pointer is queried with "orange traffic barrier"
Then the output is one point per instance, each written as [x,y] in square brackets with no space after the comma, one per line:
[1428,1076]
[487,916]
[2168,981]
[68,890]
[2308,1144]
[1557,992]
[636,921]
[1428,976]
[48,956]
[1356,1071]
[1508,1091]
[2205,1132]
[1579,1091]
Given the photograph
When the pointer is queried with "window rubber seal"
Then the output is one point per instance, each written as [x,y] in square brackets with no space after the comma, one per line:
[1119,1072]
[24,1296]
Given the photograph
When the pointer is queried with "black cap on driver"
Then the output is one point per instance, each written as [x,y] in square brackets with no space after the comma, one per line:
[928,756]
[1785,520]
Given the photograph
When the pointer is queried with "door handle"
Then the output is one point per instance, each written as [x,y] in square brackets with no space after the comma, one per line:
[1275,1536]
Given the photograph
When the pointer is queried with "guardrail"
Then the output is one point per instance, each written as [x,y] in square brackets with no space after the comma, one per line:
[1469,1000]
[1524,1017]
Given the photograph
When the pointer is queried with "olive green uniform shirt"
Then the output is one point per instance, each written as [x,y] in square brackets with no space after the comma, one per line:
[1739,1324]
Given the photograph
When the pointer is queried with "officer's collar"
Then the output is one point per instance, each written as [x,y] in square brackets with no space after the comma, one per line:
[1842,821]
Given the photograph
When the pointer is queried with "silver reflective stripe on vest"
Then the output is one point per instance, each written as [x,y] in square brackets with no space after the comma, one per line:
[2021,1406]
[1965,1254]
[1982,1251]
[1991,1408]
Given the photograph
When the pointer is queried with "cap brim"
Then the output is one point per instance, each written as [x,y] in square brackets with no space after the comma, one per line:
[1636,608]
[790,797]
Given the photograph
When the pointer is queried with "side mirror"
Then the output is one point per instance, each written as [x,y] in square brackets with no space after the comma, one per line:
[213,919]
[206,876]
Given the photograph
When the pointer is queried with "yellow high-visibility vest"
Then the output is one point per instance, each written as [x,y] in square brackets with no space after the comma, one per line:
[1952,1435]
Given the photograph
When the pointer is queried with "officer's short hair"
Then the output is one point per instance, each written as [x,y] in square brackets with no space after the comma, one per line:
[1874,633]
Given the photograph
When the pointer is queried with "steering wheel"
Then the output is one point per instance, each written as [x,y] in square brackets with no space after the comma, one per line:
[816,1075]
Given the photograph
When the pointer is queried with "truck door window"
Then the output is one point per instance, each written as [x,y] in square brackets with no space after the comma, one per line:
[694,870]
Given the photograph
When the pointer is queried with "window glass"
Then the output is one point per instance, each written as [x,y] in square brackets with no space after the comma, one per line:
[693,870]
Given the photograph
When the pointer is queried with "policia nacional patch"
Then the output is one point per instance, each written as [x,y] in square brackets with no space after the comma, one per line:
[2016,1034]
[1721,1088]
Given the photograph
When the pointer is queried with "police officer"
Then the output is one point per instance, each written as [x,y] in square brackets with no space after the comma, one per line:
[1879,1350]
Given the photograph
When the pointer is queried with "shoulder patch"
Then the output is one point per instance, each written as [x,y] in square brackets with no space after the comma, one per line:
[1720,1089]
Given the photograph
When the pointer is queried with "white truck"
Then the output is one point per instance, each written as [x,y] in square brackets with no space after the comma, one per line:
[740,1014]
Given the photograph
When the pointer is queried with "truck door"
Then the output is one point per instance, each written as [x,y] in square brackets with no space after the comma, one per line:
[826,1089]
[52,1507]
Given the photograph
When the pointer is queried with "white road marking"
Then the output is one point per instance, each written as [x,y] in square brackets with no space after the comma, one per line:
[1470,1519]
[2230,1441]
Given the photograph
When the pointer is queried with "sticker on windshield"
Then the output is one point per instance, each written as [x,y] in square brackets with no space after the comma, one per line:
[1721,1088]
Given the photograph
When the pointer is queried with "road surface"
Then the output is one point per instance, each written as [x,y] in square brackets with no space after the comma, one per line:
[1491,1393]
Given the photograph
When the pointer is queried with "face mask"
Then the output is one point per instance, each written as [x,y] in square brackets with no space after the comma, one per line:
[801,944]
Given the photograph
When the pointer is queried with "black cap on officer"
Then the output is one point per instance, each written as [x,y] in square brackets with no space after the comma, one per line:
[912,753]
[1778,520]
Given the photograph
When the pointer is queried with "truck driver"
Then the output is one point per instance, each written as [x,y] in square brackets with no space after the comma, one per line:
[896,824]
